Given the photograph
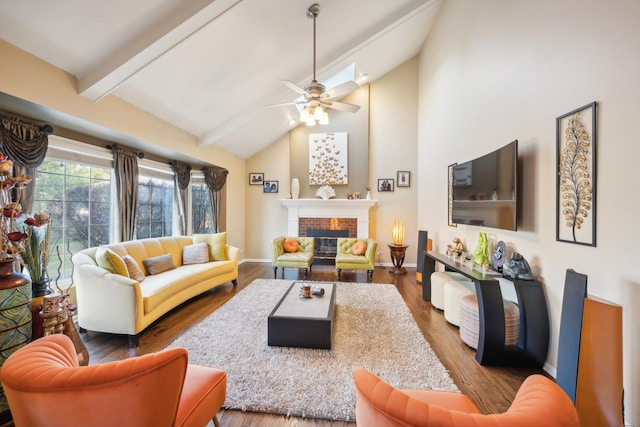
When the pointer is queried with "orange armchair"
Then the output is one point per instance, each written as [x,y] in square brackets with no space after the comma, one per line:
[539,402]
[45,387]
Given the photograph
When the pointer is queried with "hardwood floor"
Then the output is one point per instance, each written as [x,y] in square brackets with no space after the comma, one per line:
[491,388]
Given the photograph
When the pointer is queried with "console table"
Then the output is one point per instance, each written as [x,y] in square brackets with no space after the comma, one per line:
[533,345]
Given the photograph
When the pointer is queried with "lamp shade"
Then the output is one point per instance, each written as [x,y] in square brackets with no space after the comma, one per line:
[398,232]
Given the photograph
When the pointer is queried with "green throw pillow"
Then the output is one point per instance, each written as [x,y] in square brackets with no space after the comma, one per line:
[216,242]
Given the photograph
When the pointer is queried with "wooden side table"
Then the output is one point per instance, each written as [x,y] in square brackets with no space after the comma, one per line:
[397,258]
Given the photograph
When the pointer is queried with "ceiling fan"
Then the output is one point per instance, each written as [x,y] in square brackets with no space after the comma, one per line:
[316,96]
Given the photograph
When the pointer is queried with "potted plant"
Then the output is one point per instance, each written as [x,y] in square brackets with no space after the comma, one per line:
[35,252]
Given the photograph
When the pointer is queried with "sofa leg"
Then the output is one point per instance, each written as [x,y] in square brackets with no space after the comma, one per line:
[134,340]
[82,330]
[283,272]
[339,270]
[275,271]
[370,275]
[306,270]
[235,282]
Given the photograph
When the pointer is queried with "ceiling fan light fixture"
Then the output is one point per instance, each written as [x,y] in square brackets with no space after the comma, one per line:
[304,114]
[318,113]
[324,120]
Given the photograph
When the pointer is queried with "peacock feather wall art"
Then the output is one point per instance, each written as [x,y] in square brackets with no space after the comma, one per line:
[576,176]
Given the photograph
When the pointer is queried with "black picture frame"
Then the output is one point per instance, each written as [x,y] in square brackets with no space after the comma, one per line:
[450,222]
[404,179]
[270,186]
[576,167]
[256,178]
[386,184]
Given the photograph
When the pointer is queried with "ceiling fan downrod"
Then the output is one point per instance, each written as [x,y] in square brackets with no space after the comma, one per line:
[312,13]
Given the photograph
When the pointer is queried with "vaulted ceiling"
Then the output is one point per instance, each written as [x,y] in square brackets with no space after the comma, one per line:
[210,67]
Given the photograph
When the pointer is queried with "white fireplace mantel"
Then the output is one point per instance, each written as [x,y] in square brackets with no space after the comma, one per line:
[332,208]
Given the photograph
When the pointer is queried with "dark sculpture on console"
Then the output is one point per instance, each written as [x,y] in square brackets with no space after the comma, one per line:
[517,268]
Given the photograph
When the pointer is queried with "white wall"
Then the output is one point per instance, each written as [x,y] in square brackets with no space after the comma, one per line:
[499,70]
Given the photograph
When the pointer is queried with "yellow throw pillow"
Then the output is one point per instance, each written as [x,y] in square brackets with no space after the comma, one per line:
[216,242]
[109,260]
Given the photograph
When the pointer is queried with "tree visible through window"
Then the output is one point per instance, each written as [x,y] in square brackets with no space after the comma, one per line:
[154,217]
[77,199]
[201,216]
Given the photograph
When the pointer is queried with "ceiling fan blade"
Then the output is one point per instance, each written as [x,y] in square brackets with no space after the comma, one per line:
[340,90]
[283,104]
[342,106]
[294,87]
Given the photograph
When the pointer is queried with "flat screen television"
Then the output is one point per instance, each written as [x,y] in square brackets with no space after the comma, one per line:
[485,190]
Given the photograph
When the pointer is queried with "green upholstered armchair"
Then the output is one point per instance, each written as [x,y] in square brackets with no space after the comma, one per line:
[301,258]
[345,259]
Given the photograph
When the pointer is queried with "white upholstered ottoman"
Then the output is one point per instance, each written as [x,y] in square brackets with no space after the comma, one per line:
[438,280]
[454,291]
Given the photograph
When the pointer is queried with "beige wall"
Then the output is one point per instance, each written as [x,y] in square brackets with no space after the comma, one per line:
[26,77]
[392,143]
[357,129]
[495,71]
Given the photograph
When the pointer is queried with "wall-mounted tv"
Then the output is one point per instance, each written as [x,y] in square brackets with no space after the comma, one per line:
[485,189]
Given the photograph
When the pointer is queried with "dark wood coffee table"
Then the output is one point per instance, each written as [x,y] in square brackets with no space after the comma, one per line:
[303,322]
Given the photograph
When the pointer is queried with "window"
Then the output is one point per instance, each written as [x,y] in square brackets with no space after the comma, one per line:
[201,217]
[76,197]
[154,215]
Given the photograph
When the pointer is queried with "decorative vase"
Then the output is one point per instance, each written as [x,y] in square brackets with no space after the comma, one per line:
[9,277]
[15,313]
[368,195]
[40,289]
[295,188]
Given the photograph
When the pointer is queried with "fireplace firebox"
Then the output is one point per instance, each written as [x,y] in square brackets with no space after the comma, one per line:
[325,244]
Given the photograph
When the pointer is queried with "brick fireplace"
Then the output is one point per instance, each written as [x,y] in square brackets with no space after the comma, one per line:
[333,214]
[348,224]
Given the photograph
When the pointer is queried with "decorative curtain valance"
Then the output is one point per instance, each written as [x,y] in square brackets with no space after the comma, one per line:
[215,178]
[181,178]
[25,143]
[125,168]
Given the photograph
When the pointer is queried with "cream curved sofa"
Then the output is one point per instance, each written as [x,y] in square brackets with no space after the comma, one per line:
[112,303]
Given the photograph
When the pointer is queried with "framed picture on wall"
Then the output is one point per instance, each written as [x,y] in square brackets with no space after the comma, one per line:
[256,178]
[404,179]
[576,176]
[270,187]
[385,184]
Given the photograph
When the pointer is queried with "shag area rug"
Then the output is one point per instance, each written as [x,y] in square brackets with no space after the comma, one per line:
[373,329]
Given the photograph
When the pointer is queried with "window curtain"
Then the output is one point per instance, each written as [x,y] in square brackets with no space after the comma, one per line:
[125,168]
[25,143]
[215,180]
[181,178]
